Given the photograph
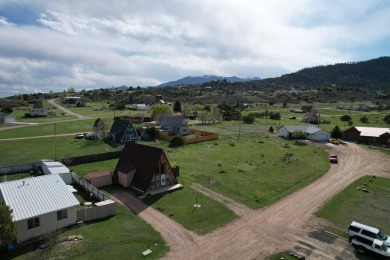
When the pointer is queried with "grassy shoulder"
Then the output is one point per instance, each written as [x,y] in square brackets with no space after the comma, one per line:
[123,236]
[353,204]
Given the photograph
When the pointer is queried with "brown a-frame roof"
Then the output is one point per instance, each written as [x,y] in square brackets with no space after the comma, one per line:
[144,159]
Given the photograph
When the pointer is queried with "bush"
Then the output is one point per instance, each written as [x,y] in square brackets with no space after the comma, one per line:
[176,141]
[345,118]
[249,119]
[274,115]
[387,119]
[364,119]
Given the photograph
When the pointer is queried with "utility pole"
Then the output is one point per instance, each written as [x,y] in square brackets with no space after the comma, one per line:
[55,141]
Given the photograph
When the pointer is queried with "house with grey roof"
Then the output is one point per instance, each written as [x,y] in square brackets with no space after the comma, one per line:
[312,132]
[175,125]
[39,205]
[6,118]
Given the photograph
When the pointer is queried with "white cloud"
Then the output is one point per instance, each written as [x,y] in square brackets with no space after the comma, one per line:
[89,44]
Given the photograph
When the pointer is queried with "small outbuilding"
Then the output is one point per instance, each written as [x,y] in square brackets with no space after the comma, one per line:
[99,179]
[53,167]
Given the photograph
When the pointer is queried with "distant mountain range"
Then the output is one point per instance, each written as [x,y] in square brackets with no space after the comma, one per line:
[204,79]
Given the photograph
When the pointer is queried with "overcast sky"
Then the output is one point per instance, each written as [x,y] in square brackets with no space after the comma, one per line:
[53,45]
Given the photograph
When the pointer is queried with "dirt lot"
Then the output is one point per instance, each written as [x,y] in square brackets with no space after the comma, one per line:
[287,225]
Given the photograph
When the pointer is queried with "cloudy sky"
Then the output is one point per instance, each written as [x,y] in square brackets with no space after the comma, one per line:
[53,45]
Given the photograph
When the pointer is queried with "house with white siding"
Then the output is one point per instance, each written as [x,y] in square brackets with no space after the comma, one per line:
[39,205]
[312,132]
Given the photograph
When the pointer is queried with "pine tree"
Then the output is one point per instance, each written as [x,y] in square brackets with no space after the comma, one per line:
[177,106]
[336,132]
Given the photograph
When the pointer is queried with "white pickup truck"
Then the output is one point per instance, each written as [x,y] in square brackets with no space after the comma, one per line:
[362,245]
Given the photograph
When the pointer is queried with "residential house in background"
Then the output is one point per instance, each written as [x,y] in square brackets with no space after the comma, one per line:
[74,101]
[145,169]
[6,118]
[175,125]
[312,117]
[39,205]
[312,133]
[371,135]
[122,130]
[38,110]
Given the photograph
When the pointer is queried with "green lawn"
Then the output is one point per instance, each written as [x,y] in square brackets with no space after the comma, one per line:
[352,204]
[77,126]
[33,150]
[256,171]
[179,205]
[123,236]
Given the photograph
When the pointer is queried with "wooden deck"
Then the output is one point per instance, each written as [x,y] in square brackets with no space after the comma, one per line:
[168,188]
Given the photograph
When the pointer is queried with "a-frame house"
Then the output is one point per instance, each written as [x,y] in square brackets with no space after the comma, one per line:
[122,130]
[145,169]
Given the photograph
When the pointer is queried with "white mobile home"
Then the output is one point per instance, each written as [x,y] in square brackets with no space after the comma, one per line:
[39,205]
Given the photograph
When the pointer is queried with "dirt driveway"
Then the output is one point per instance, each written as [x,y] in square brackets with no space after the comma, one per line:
[287,225]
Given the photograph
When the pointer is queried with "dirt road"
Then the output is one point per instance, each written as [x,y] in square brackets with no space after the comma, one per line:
[287,225]
[65,110]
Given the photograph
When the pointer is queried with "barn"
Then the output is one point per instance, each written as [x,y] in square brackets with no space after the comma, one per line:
[312,132]
[370,135]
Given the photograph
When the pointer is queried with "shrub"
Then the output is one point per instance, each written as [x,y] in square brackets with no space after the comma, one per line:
[364,119]
[345,118]
[387,119]
[249,119]
[176,141]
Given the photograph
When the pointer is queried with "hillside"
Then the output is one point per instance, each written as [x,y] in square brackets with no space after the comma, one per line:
[203,79]
[371,74]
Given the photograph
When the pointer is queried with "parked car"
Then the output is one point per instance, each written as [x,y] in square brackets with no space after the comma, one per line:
[90,137]
[79,136]
[333,158]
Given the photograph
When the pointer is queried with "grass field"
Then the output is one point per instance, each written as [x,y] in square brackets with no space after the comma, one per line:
[352,204]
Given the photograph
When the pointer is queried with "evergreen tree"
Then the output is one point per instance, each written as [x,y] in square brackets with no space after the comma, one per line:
[7,226]
[336,132]
[177,106]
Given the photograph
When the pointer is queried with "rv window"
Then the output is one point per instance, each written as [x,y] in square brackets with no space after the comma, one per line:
[355,229]
[369,234]
[363,240]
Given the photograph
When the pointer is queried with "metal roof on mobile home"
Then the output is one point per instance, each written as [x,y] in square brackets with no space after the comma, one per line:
[31,197]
